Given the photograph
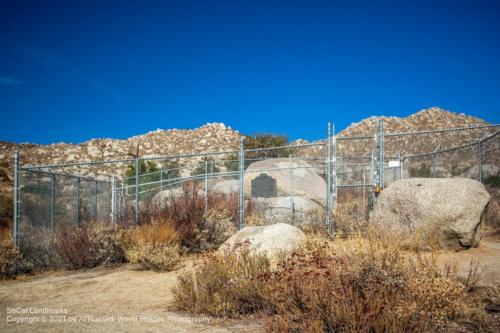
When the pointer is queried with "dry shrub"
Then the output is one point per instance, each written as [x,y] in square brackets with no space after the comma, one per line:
[37,247]
[89,244]
[216,228]
[360,284]
[157,258]
[11,260]
[197,228]
[224,284]
[153,246]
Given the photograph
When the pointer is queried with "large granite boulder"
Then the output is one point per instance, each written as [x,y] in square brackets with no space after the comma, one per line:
[440,212]
[279,209]
[228,186]
[270,239]
[306,181]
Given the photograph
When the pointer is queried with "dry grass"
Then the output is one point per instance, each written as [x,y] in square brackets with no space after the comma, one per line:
[153,246]
[360,284]
[225,284]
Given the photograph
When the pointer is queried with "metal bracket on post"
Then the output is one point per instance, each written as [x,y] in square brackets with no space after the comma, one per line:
[15,217]
[137,166]
[241,197]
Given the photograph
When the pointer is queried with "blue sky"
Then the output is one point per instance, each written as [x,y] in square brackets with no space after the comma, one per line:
[71,71]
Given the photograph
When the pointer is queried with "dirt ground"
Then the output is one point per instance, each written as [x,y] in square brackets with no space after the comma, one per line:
[102,300]
[123,300]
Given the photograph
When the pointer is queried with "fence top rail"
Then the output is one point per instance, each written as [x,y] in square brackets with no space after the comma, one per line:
[440,130]
[159,158]
[436,152]
[59,174]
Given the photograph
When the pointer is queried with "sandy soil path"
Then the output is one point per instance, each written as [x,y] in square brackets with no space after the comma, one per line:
[103,300]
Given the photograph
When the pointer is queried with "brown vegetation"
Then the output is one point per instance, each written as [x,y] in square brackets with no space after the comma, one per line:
[355,285]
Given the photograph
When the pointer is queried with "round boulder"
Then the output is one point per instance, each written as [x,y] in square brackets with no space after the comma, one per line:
[442,212]
[270,239]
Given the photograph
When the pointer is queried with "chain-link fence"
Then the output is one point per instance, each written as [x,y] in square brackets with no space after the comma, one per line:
[328,184]
[47,200]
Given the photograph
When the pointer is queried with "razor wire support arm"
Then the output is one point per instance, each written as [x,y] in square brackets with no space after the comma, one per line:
[137,165]
[241,198]
[15,217]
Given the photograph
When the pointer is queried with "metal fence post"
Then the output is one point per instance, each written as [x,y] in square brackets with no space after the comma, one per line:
[15,217]
[137,166]
[206,186]
[52,199]
[161,179]
[113,200]
[328,178]
[292,204]
[77,200]
[96,191]
[480,160]
[333,194]
[434,161]
[381,151]
[241,197]
[400,165]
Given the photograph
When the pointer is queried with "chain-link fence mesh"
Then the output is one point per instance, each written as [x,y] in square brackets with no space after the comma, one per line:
[269,185]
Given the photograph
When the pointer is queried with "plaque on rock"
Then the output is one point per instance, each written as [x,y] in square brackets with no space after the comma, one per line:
[264,186]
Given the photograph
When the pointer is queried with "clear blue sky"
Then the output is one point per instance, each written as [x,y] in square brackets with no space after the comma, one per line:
[71,71]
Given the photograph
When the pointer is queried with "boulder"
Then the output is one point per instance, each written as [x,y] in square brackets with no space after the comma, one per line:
[306,181]
[488,170]
[278,209]
[447,212]
[228,186]
[270,239]
[163,197]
